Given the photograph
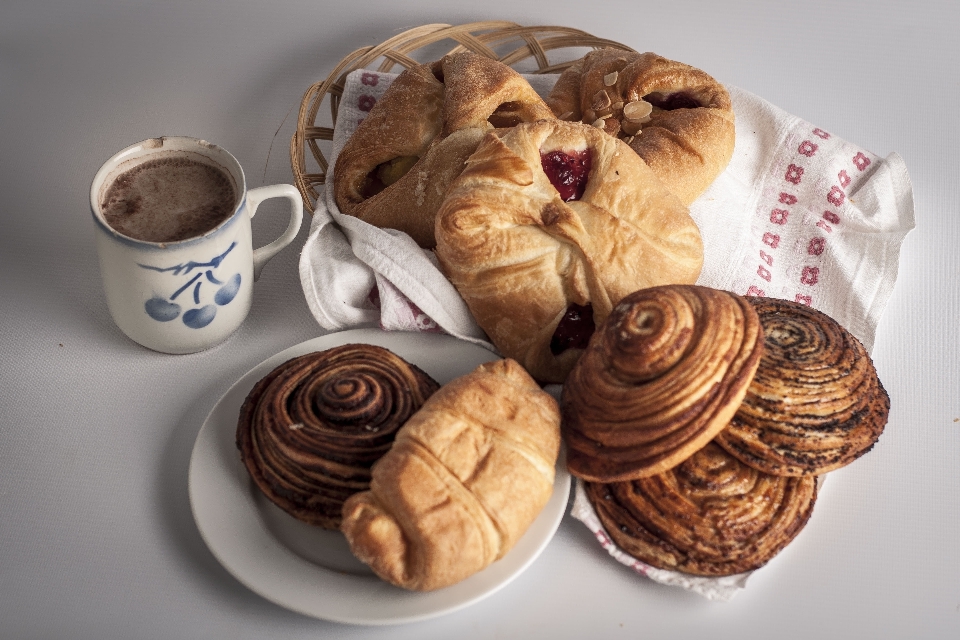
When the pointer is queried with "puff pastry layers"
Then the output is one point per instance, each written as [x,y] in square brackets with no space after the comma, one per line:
[815,404]
[310,430]
[465,478]
[659,380]
[521,256]
[676,117]
[711,515]
[394,170]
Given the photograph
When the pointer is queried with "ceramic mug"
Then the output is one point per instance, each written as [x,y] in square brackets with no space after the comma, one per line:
[188,295]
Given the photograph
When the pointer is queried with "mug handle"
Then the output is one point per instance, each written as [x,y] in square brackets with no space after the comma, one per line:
[254,197]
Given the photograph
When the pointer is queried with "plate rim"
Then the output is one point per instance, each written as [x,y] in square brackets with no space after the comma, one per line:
[209,442]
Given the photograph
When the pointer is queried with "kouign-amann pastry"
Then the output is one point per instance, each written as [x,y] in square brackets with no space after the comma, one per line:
[549,226]
[466,477]
[815,404]
[310,430]
[658,381]
[711,516]
[394,170]
[676,117]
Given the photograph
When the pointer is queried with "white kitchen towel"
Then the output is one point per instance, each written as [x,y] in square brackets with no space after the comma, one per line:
[798,214]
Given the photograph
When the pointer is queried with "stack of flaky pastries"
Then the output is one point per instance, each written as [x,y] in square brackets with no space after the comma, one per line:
[699,420]
[543,213]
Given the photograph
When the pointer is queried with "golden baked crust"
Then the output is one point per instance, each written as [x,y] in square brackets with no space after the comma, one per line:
[688,136]
[310,429]
[416,138]
[710,516]
[520,256]
[464,480]
[815,404]
[659,380]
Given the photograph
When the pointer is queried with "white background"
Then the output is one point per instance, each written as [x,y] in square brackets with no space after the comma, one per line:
[96,536]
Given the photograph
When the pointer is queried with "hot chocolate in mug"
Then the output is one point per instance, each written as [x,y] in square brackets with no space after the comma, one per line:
[172,218]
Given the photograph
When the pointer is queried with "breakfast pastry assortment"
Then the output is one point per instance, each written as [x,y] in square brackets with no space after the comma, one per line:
[699,422]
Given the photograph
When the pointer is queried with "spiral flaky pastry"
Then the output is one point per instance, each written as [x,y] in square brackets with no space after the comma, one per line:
[712,515]
[553,219]
[815,404]
[311,429]
[659,380]
[394,170]
[676,117]
[464,480]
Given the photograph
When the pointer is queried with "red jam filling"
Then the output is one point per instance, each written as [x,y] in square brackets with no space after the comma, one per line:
[574,330]
[671,101]
[567,172]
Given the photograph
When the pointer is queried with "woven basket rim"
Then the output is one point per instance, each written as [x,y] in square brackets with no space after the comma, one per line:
[482,38]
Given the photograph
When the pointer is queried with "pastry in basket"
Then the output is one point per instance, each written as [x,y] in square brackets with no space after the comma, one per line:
[310,430]
[658,381]
[394,170]
[676,117]
[466,477]
[548,227]
[815,404]
[711,516]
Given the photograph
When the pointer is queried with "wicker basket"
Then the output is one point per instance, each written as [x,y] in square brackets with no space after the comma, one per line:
[518,43]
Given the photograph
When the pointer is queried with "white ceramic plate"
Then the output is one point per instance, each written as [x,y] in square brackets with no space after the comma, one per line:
[310,570]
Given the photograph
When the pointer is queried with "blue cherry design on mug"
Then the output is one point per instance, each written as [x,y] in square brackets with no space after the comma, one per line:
[197,274]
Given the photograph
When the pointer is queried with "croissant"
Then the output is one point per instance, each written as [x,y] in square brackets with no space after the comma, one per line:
[466,476]
[310,430]
[394,170]
[711,515]
[659,380]
[549,226]
[676,117]
[815,404]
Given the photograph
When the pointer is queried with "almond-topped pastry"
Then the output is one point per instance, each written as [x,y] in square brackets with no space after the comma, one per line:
[659,380]
[549,226]
[394,170]
[310,430]
[676,117]
[815,404]
[464,480]
[711,516]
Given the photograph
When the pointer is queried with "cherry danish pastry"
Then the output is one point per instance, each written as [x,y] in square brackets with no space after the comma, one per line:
[548,227]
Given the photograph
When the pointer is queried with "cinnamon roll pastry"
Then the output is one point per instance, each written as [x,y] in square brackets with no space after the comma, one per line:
[815,404]
[676,117]
[550,225]
[311,429]
[710,516]
[659,380]
[394,170]
[464,480]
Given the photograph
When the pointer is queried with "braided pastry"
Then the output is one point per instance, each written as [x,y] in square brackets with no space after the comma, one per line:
[815,404]
[659,380]
[310,430]
[676,117]
[394,170]
[464,480]
[548,227]
[709,516]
